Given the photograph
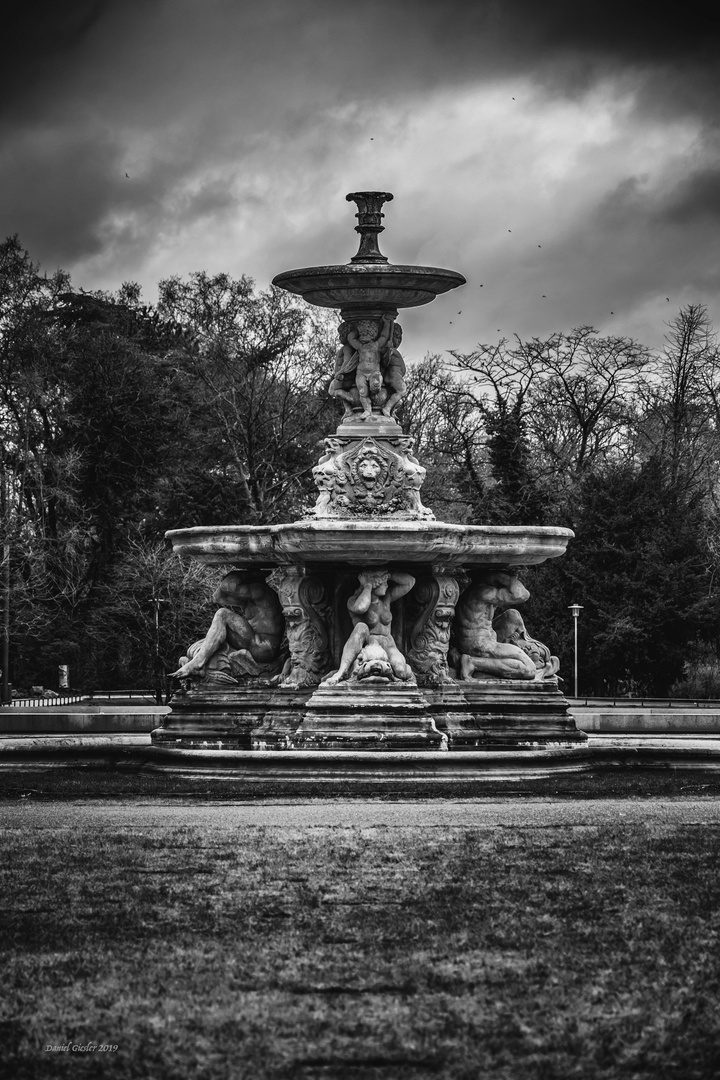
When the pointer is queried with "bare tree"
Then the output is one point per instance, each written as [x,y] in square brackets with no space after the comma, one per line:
[448,426]
[572,395]
[682,400]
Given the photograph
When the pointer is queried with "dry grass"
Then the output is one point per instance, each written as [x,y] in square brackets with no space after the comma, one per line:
[363,953]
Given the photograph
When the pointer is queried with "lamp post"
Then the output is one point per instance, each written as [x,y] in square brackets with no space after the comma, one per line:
[156,601]
[5,691]
[576,609]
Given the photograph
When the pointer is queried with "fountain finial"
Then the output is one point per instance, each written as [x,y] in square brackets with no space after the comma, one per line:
[369,215]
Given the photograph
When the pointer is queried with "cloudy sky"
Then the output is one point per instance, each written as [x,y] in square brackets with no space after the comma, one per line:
[563,156]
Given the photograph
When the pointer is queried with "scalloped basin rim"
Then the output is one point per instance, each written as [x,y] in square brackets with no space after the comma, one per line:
[364,543]
[363,269]
[408,286]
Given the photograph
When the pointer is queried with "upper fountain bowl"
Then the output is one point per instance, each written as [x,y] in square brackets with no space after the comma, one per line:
[381,286]
[369,283]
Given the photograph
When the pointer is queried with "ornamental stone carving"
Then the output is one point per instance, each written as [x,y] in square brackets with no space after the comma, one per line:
[369,216]
[434,607]
[307,613]
[370,477]
[477,653]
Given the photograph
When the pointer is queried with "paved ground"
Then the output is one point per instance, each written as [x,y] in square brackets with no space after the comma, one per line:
[146,814]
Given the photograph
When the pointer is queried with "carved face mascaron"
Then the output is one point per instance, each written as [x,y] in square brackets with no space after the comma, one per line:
[369,467]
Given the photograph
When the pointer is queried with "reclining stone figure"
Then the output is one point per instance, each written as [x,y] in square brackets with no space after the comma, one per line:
[245,636]
[510,628]
[477,653]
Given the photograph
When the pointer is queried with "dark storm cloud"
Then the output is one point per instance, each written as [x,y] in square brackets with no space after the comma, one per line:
[57,203]
[185,96]
[695,198]
[371,47]
[41,39]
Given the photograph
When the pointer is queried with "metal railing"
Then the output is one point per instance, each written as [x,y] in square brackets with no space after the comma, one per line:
[113,695]
[142,696]
[148,696]
[32,702]
[645,702]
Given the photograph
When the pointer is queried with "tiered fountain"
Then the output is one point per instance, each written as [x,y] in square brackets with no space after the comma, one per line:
[369,625]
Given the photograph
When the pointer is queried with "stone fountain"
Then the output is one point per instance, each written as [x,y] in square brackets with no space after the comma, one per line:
[369,625]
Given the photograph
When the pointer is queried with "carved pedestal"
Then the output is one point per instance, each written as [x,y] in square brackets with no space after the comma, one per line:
[368,470]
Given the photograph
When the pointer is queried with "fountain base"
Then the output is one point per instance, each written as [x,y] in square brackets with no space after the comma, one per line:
[487,715]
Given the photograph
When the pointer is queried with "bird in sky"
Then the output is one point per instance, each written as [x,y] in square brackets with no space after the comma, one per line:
[126,176]
[459,312]
[539,245]
[668,299]
[543,297]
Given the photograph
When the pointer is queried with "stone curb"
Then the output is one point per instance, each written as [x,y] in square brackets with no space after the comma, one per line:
[135,752]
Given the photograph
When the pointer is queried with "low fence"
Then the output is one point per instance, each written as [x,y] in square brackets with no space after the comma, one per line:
[578,702]
[91,698]
[39,702]
[124,695]
[643,703]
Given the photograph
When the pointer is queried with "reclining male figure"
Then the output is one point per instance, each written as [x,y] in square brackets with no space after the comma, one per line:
[249,620]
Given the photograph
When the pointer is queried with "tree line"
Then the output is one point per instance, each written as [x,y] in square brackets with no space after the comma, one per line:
[121,419]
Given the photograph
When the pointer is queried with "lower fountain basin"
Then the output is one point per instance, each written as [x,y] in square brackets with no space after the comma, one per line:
[369,542]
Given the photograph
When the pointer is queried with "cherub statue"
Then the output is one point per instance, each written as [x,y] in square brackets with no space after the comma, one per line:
[369,347]
[394,372]
[342,385]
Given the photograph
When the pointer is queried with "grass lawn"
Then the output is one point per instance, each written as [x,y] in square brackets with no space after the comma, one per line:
[362,952]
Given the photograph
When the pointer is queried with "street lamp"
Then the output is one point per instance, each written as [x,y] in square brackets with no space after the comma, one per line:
[156,601]
[5,690]
[576,609]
